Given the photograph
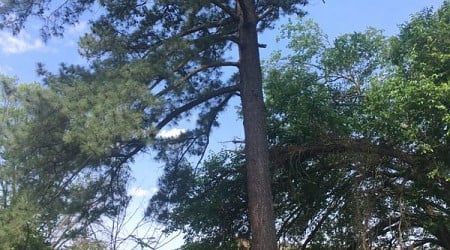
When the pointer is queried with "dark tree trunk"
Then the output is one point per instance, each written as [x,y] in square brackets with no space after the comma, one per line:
[256,147]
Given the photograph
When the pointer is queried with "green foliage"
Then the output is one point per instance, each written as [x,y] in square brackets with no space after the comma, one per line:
[359,147]
[205,202]
[314,93]
[14,14]
[303,109]
[412,112]
[88,245]
[69,187]
[359,142]
[104,112]
[411,107]
[172,51]
[422,49]
[204,245]
[19,225]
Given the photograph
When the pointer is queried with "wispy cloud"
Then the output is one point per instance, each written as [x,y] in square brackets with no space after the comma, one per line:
[141,192]
[172,133]
[20,43]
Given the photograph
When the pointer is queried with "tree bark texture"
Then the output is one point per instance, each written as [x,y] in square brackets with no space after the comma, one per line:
[256,147]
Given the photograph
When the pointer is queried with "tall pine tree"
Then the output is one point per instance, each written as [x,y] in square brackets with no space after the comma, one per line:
[176,49]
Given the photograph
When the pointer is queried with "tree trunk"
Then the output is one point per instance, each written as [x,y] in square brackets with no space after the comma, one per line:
[256,148]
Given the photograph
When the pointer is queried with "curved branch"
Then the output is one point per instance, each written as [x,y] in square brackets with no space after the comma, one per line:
[322,220]
[173,114]
[215,111]
[282,153]
[195,72]
[138,145]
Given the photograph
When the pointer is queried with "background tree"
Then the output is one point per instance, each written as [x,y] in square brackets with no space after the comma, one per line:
[40,168]
[19,214]
[415,119]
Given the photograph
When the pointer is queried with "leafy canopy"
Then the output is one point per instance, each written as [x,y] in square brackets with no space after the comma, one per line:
[357,145]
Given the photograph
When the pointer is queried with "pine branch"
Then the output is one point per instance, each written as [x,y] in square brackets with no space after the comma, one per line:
[226,9]
[195,72]
[205,97]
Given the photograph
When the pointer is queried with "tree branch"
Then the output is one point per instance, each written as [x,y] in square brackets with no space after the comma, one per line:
[226,9]
[319,224]
[283,153]
[195,72]
[266,13]
[173,114]
[204,26]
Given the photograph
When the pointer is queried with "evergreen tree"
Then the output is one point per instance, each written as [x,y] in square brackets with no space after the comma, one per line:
[176,50]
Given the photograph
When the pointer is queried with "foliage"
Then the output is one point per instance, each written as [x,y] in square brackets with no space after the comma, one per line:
[14,14]
[205,203]
[88,245]
[359,148]
[20,226]
[175,50]
[19,214]
[410,111]
[39,163]
[422,48]
[302,110]
[358,128]
[399,111]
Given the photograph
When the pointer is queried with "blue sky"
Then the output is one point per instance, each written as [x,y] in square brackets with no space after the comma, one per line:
[20,54]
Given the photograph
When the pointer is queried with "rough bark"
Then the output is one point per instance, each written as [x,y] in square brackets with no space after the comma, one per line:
[256,147]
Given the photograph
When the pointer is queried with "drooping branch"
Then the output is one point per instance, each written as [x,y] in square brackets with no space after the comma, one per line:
[215,111]
[282,153]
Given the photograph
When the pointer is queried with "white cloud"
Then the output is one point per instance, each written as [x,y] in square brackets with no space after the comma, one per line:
[20,43]
[141,192]
[172,133]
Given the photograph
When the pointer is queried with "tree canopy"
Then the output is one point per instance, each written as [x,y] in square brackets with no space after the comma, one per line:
[175,50]
[356,138]
[358,145]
